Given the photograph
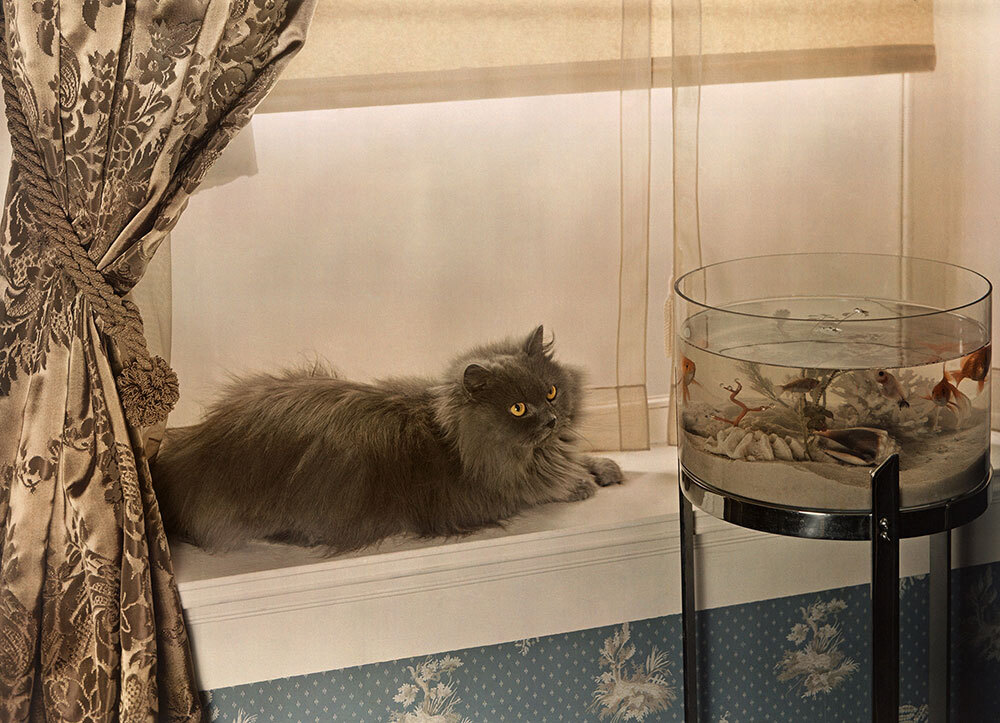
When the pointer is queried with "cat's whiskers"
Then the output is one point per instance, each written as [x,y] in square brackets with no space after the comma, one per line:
[570,434]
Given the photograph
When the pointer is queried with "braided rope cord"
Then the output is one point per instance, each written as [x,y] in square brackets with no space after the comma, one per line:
[147,386]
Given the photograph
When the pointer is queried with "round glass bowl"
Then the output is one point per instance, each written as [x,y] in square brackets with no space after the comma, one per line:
[799,373]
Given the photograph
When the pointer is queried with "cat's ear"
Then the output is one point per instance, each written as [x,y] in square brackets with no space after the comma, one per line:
[475,378]
[533,345]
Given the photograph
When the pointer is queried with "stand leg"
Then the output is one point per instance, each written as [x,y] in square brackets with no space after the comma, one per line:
[689,654]
[885,591]
[940,626]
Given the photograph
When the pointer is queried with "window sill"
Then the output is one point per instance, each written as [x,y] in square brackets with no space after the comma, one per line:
[272,611]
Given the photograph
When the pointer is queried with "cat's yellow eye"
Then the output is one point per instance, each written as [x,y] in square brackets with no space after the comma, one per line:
[518,409]
[551,394]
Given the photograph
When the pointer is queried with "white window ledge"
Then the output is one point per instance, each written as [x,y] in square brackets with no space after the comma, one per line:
[271,611]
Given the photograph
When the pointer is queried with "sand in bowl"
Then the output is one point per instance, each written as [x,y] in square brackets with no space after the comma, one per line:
[795,400]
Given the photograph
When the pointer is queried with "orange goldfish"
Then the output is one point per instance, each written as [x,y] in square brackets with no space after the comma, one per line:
[975,366]
[891,388]
[688,370]
[946,394]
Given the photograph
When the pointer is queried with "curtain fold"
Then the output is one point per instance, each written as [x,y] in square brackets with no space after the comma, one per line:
[117,109]
[633,277]
[686,44]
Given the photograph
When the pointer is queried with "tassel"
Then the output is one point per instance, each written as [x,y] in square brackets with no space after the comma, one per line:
[148,389]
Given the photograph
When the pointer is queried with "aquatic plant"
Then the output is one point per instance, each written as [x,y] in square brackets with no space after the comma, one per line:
[759,383]
[825,377]
[784,417]
[817,665]
[816,394]
[816,416]
[631,692]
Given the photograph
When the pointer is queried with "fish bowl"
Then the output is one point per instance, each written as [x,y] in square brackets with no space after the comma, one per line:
[796,375]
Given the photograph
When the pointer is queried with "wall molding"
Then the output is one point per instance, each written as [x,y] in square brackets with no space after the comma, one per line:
[290,590]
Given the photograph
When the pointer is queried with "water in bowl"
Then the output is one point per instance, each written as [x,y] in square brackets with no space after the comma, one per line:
[794,401]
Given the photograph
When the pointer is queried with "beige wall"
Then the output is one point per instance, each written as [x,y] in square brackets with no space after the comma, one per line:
[387,238]
[805,165]
[954,146]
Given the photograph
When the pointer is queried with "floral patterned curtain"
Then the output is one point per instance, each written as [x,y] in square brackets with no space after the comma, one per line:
[124,105]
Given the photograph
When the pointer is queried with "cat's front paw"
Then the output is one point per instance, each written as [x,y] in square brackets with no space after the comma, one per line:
[584,489]
[606,472]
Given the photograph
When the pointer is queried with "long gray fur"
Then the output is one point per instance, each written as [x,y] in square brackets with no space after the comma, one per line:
[307,458]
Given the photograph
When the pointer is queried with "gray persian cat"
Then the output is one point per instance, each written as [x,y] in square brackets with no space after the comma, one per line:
[314,460]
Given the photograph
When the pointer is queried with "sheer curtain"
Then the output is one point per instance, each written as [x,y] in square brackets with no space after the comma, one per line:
[484,168]
[116,110]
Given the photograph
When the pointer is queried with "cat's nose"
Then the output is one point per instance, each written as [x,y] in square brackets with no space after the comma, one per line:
[551,424]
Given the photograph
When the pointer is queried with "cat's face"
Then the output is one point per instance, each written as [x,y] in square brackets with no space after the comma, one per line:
[522,393]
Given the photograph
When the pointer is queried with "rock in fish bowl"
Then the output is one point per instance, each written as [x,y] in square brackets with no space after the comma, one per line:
[798,374]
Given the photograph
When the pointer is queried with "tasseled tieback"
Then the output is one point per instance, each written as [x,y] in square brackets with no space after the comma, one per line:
[147,386]
[148,390]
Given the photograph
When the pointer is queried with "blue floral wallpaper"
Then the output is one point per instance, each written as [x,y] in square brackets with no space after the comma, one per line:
[975,655]
[800,658]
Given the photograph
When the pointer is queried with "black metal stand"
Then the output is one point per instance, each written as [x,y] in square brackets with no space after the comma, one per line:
[885,591]
[884,526]
[940,627]
[689,653]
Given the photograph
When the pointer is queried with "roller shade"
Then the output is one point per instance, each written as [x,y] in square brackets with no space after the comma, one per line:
[378,52]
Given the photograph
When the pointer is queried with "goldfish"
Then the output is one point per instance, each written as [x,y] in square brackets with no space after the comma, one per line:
[688,370]
[800,386]
[891,388]
[975,366]
[946,394]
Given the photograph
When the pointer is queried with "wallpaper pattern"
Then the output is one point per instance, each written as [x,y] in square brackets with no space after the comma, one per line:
[799,658]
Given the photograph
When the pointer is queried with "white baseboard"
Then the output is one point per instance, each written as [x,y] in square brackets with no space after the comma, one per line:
[272,611]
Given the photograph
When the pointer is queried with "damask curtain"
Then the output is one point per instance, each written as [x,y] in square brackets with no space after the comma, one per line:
[116,109]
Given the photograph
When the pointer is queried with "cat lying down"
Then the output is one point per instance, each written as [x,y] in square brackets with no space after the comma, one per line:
[310,459]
